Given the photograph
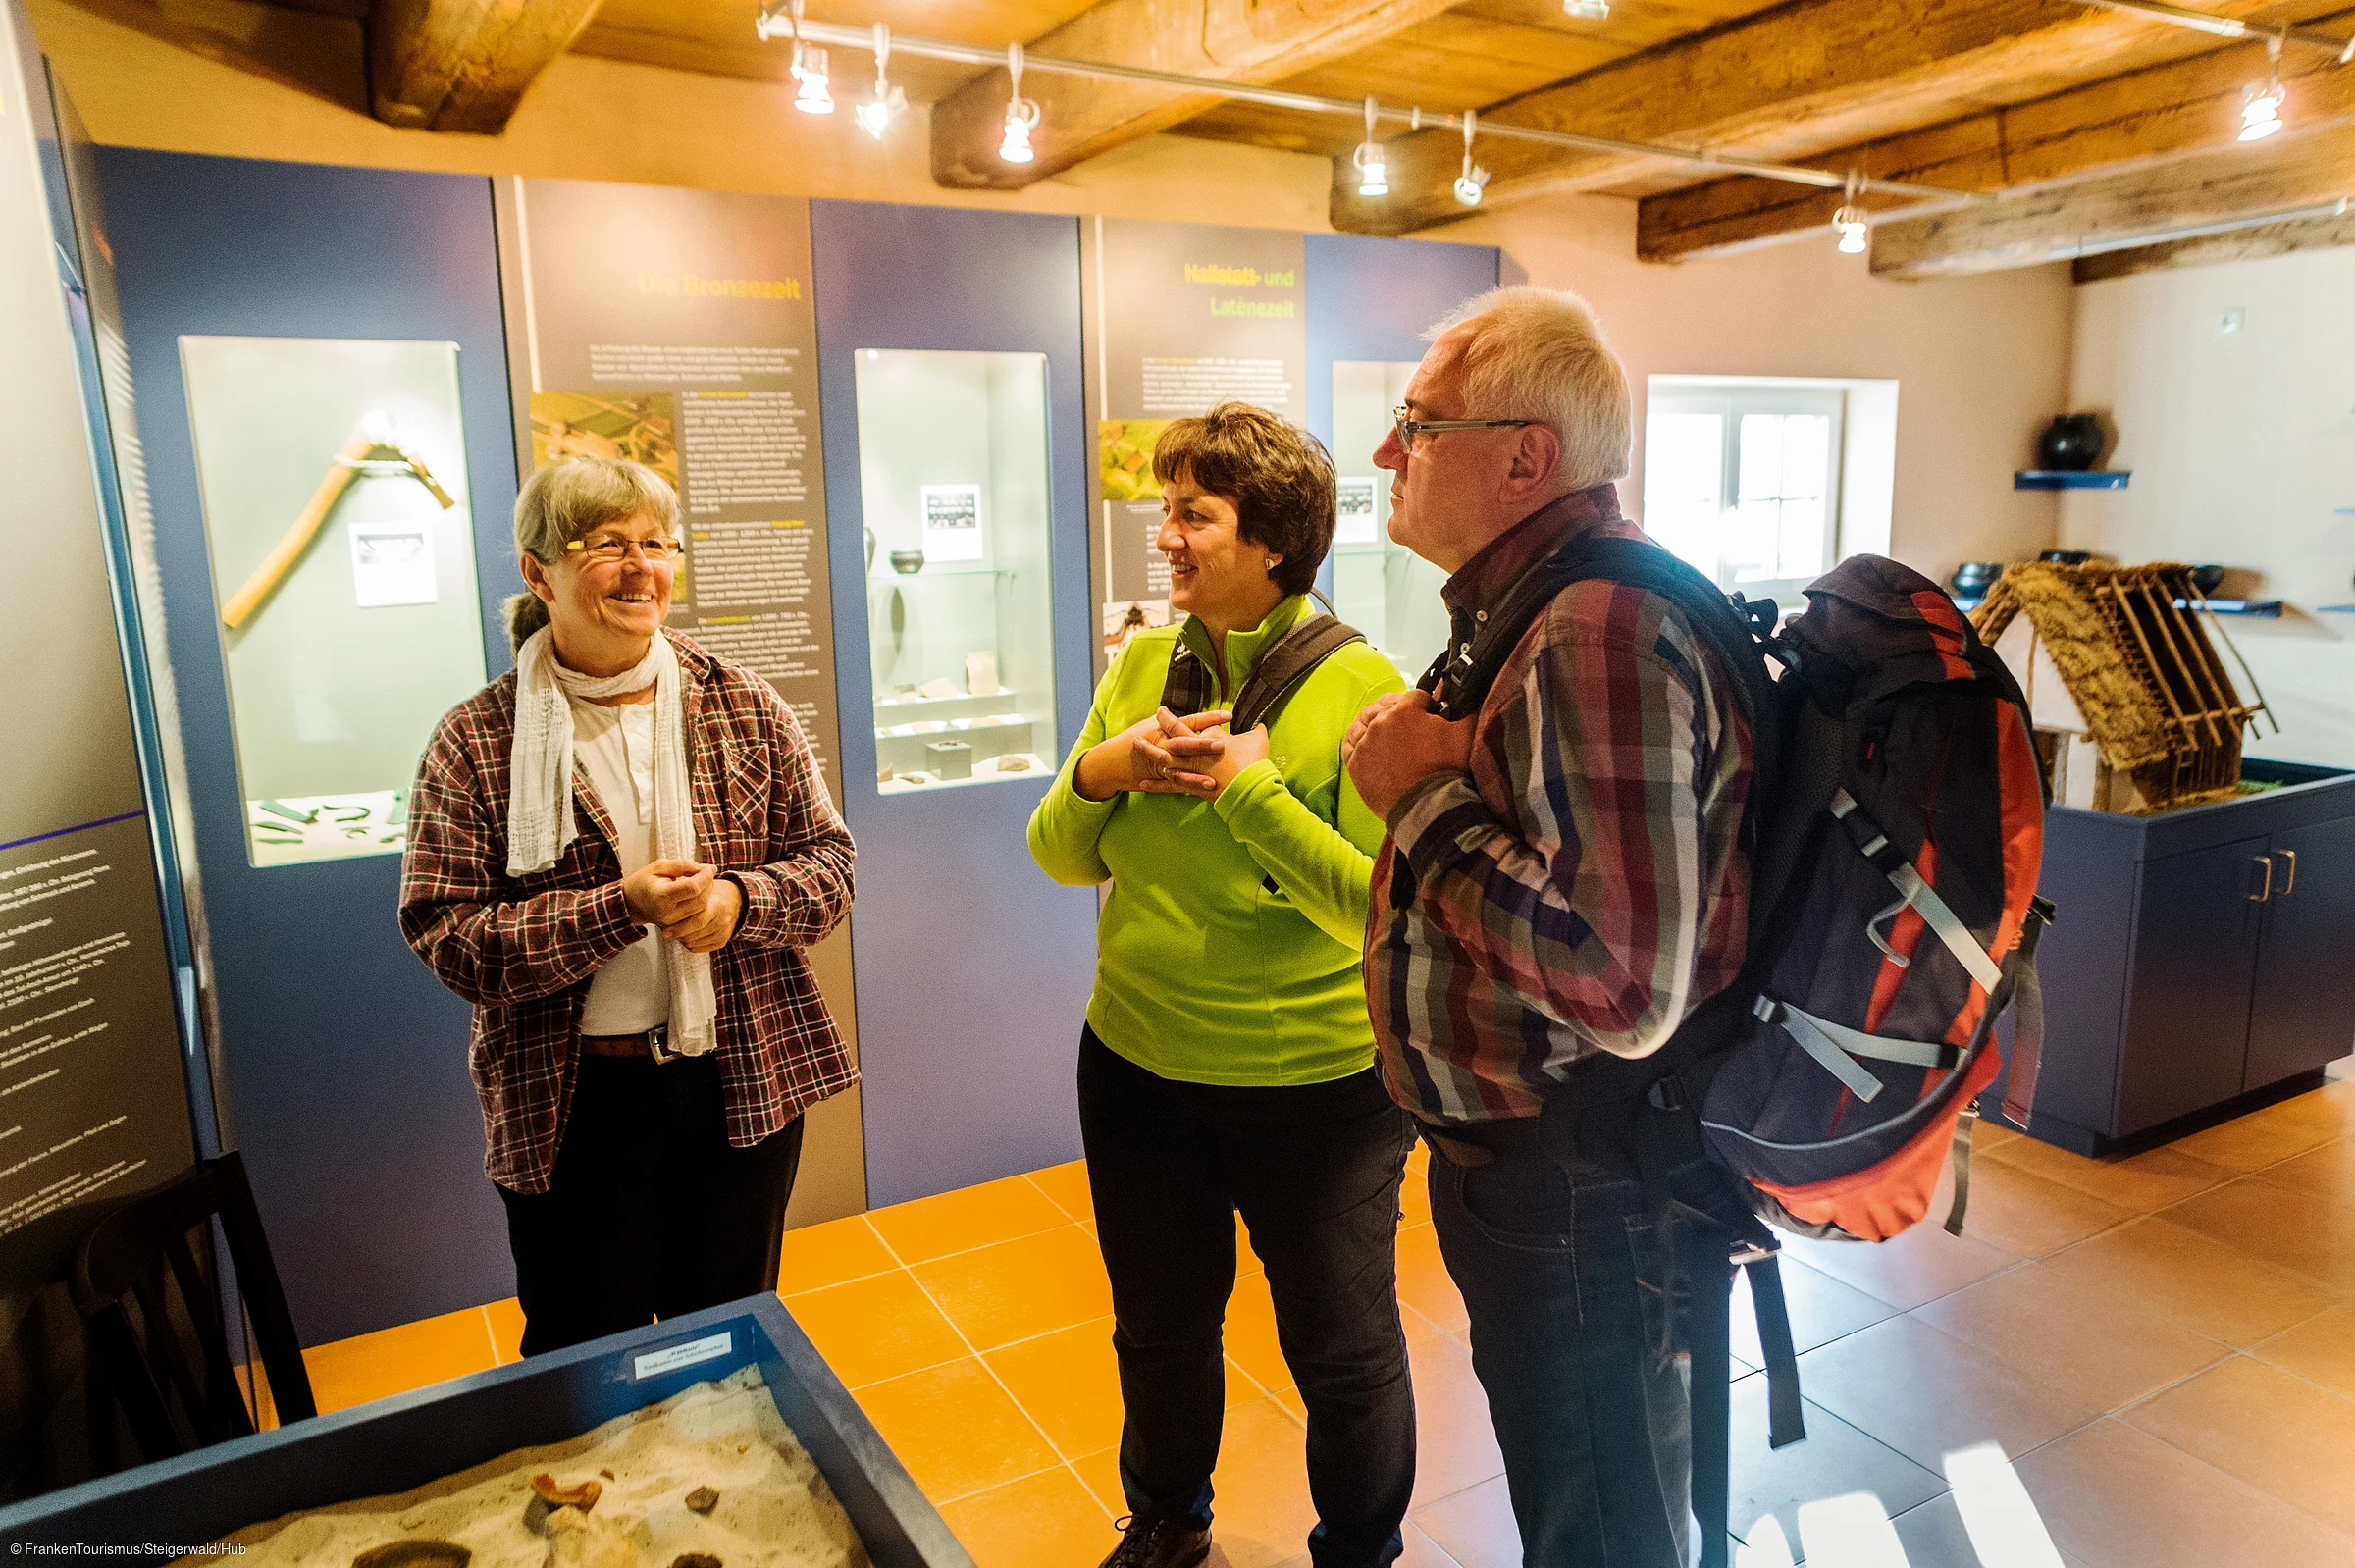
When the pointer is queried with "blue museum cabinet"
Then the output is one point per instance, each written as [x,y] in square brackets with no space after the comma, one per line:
[2201,958]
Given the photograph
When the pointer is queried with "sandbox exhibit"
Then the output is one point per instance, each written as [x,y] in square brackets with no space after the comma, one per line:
[709,1478]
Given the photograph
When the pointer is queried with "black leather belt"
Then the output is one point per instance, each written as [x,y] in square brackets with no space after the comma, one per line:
[1478,1143]
[641,1044]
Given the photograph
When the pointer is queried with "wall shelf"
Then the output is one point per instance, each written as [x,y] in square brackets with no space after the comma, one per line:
[2071,479]
[2267,608]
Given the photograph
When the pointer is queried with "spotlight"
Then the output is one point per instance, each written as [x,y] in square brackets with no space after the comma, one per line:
[2261,107]
[810,70]
[1022,115]
[874,116]
[1474,180]
[1849,220]
[1372,172]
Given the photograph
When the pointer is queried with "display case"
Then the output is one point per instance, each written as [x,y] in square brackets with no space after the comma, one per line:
[332,476]
[410,1439]
[1382,589]
[954,492]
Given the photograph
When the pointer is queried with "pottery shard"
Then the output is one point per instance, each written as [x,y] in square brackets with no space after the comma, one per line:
[583,1496]
[414,1555]
[576,1539]
[703,1500]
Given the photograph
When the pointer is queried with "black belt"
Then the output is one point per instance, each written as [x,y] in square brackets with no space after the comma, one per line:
[1478,1143]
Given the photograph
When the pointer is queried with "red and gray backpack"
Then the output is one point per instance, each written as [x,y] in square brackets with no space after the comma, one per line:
[1896,825]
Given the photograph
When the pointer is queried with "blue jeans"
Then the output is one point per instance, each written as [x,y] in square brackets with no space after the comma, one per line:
[1561,1276]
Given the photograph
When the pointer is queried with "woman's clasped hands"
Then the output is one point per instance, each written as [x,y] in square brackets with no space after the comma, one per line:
[1170,755]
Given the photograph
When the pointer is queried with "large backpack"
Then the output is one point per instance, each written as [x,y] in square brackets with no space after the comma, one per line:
[1895,826]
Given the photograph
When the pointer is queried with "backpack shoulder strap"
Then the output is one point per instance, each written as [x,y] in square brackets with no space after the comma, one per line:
[1282,668]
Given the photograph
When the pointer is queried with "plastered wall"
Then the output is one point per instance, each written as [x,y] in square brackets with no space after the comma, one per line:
[1982,362]
[2242,446]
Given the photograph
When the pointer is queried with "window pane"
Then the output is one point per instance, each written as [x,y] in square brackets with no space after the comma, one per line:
[1684,484]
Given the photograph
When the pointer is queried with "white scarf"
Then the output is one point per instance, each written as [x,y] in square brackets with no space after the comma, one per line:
[540,824]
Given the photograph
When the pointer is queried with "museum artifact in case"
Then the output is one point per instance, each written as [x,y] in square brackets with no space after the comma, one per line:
[1382,589]
[954,485]
[333,475]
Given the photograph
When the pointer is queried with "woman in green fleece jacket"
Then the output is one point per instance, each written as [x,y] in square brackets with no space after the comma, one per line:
[1227,1063]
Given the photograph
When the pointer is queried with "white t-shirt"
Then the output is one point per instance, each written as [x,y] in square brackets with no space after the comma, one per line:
[615,747]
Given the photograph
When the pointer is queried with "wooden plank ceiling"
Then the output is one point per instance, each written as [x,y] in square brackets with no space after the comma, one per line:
[2064,129]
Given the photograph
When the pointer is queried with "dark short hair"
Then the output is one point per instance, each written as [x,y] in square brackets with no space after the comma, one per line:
[1277,475]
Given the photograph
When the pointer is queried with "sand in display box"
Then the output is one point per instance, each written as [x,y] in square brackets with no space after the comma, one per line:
[720,1439]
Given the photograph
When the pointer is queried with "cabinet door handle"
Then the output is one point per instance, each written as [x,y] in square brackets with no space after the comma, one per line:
[2266,891]
[2290,886]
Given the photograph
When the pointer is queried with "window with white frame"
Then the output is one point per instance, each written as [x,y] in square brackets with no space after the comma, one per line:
[1743,480]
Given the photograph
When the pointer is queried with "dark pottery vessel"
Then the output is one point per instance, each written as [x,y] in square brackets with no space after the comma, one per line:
[2207,578]
[2070,444]
[2066,557]
[1972,579]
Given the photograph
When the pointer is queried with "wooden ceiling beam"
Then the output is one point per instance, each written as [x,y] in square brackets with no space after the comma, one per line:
[1785,84]
[2297,170]
[2137,119]
[2241,244]
[1247,41]
[463,65]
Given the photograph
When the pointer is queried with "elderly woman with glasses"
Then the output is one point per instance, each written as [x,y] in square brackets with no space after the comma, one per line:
[618,852]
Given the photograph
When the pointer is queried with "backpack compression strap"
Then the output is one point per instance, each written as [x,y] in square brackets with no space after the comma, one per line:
[1191,688]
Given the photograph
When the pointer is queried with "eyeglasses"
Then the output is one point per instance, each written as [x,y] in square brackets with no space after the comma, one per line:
[610,547]
[1412,429]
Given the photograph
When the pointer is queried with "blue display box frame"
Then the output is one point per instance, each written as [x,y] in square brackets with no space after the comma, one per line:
[393,1444]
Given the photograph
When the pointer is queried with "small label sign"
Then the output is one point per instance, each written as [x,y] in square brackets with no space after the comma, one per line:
[670,1358]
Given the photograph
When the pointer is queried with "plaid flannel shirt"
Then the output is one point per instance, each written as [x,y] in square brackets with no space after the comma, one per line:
[522,949]
[1584,887]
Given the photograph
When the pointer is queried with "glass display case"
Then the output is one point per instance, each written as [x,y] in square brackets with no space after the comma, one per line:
[333,475]
[1382,589]
[954,487]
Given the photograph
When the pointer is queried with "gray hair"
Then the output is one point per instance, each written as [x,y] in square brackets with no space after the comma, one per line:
[1536,353]
[569,500]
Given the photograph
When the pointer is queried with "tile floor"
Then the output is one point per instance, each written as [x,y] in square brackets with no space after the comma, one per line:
[2165,1345]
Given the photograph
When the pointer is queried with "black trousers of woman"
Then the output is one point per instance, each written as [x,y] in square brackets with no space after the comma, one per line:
[650,1214]
[1315,1171]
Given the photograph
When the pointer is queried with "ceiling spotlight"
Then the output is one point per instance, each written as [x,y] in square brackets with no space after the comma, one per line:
[1850,219]
[1587,9]
[2261,107]
[875,116]
[1372,172]
[810,70]
[1022,115]
[1474,180]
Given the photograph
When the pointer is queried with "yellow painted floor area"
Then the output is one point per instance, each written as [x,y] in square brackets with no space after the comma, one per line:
[2165,1345]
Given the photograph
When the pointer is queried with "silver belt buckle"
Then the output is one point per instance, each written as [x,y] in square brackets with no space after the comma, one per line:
[656,1039]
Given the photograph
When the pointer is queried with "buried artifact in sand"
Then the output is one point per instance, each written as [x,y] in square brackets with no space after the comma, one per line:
[712,1476]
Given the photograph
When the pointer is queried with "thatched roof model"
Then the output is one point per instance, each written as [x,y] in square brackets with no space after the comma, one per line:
[2132,648]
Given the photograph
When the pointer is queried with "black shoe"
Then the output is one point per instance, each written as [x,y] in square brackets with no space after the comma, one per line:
[1159,1543]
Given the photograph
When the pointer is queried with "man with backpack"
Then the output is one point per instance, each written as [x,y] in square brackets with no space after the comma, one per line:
[1564,881]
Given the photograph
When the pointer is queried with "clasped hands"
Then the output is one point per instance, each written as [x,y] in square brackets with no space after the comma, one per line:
[1170,755]
[1397,741]
[694,905]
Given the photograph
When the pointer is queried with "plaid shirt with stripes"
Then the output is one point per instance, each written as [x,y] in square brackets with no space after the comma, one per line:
[522,949]
[1584,887]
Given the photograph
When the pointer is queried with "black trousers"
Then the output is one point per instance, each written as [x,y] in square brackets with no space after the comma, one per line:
[1315,1171]
[650,1213]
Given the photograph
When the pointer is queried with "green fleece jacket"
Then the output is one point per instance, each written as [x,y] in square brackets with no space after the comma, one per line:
[1227,950]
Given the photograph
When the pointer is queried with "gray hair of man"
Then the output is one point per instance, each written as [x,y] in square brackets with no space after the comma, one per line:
[569,500]
[1537,353]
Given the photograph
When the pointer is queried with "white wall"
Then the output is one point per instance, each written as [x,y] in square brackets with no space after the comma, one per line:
[2242,445]
[1981,362]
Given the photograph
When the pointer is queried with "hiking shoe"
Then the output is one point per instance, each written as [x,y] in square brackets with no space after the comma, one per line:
[1159,1543]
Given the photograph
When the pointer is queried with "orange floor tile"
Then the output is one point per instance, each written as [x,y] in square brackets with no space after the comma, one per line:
[2166,1344]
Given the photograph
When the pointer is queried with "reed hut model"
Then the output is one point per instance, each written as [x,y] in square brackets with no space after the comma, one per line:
[2162,716]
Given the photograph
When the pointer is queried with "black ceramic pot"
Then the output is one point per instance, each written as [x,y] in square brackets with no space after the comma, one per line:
[2070,444]
[2207,579]
[1972,579]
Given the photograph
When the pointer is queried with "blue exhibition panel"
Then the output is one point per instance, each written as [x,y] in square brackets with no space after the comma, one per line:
[1372,299]
[973,970]
[401,1443]
[345,1060]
